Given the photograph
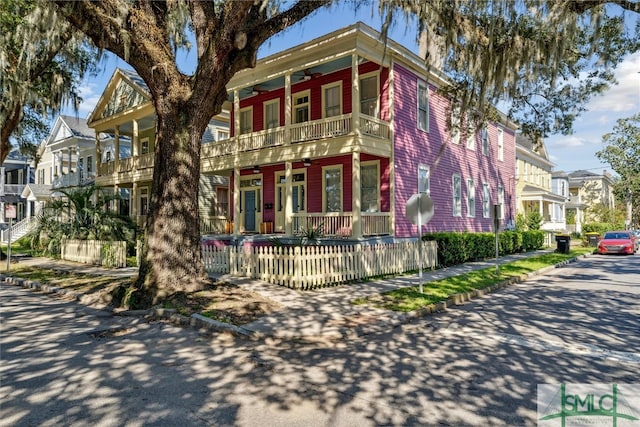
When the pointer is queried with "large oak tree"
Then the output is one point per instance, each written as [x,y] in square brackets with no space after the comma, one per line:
[493,50]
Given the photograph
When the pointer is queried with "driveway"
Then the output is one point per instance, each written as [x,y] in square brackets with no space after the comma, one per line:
[477,364]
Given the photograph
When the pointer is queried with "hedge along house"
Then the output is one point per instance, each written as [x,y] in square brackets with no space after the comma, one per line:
[341,131]
[125,161]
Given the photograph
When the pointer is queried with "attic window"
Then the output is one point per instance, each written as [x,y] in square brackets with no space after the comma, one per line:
[122,100]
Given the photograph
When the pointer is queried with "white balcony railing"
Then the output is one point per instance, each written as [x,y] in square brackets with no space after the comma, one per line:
[340,224]
[14,189]
[299,132]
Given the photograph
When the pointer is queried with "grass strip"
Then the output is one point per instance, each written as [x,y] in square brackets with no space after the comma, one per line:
[410,299]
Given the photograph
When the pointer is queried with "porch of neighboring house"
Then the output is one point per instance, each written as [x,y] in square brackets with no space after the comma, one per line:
[543,203]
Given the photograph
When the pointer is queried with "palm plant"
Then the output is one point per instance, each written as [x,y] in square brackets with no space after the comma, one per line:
[80,213]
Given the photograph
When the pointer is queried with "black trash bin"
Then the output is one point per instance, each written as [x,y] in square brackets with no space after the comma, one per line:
[592,239]
[563,243]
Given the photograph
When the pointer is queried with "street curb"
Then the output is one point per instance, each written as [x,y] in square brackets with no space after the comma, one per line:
[464,297]
[195,320]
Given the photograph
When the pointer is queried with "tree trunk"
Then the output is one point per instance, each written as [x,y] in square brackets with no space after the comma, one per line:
[172,255]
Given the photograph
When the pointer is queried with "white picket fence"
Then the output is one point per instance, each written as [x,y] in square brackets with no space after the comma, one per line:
[308,267]
[96,252]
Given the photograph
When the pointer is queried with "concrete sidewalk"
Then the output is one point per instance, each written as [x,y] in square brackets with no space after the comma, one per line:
[328,312]
[317,314]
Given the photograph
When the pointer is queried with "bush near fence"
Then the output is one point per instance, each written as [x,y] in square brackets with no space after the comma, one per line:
[96,252]
[310,267]
[457,248]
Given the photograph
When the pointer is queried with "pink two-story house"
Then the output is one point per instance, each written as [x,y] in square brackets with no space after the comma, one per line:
[341,131]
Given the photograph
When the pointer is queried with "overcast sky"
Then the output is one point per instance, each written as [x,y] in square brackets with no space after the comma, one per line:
[569,153]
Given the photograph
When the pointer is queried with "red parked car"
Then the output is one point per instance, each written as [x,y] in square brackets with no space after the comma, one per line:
[617,242]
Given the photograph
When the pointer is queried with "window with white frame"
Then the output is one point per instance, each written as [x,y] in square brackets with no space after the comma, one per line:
[471,134]
[272,114]
[369,95]
[144,145]
[486,200]
[501,200]
[89,165]
[369,187]
[222,135]
[471,198]
[332,186]
[526,171]
[423,106]
[424,179]
[485,140]
[457,195]
[332,100]
[246,120]
[500,144]
[455,125]
[301,107]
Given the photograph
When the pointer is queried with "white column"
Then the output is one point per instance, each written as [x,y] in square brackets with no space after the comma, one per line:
[392,169]
[116,144]
[236,200]
[133,203]
[3,180]
[355,97]
[79,173]
[236,113]
[288,198]
[287,106]
[356,214]
[69,158]
[135,140]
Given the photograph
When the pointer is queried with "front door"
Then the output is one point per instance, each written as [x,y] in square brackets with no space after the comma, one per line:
[250,210]
[298,199]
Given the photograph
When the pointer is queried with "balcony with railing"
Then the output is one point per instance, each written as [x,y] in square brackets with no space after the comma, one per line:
[11,189]
[72,179]
[313,130]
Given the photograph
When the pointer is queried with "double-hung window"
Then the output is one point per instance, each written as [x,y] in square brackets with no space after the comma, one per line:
[424,179]
[486,200]
[332,186]
[455,125]
[500,144]
[485,140]
[369,96]
[369,187]
[332,98]
[301,107]
[471,198]
[246,121]
[501,201]
[471,133]
[457,195]
[423,106]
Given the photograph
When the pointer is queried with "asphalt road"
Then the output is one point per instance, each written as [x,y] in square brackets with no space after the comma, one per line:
[478,364]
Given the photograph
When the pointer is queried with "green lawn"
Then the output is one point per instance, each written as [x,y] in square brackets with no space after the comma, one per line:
[410,299]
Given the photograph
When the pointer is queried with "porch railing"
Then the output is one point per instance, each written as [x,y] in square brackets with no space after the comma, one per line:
[214,225]
[340,224]
[295,133]
[11,189]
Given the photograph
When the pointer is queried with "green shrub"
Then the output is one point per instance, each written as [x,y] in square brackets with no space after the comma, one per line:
[451,248]
[532,240]
[480,246]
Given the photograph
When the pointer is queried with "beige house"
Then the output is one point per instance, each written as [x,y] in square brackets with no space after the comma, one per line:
[125,161]
[534,184]
[588,191]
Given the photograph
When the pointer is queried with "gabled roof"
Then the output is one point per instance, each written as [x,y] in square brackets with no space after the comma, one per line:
[34,192]
[526,144]
[77,126]
[125,90]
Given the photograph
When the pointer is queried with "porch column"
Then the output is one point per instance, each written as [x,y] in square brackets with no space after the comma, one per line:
[236,115]
[356,214]
[3,180]
[355,97]
[115,204]
[288,199]
[236,199]
[135,140]
[69,157]
[133,203]
[79,173]
[116,145]
[98,153]
[287,107]
[541,208]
